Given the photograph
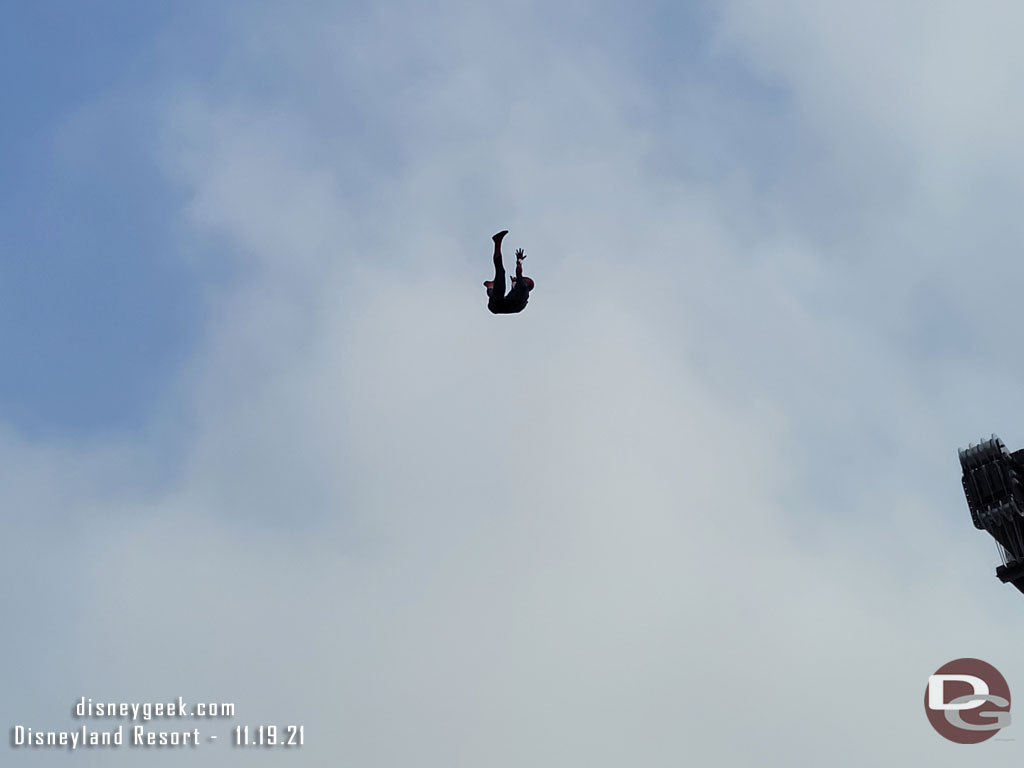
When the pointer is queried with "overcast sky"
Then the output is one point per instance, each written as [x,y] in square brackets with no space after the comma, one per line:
[262,443]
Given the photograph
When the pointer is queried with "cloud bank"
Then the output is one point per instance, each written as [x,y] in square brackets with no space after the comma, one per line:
[699,503]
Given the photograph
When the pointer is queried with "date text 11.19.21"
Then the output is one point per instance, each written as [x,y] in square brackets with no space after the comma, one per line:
[267,736]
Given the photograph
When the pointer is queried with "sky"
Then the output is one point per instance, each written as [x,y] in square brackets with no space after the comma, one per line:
[262,443]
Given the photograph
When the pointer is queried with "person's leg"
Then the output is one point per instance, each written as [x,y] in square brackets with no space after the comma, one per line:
[498,289]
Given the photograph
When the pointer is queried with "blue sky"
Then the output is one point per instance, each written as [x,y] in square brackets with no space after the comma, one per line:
[93,289]
[261,442]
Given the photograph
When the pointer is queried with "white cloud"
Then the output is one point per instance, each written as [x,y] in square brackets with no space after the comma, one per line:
[690,506]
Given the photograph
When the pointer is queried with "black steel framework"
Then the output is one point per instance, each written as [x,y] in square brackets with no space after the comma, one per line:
[993,480]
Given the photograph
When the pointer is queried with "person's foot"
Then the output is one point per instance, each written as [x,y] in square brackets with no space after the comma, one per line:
[497,238]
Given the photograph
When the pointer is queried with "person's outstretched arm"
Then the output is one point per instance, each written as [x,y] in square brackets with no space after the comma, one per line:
[519,263]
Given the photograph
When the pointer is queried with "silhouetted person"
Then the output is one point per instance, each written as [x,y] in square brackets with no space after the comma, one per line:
[501,303]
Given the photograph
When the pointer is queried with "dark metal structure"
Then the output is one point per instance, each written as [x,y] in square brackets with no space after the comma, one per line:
[993,482]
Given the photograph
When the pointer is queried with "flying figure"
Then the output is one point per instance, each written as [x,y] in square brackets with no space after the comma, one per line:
[993,483]
[499,302]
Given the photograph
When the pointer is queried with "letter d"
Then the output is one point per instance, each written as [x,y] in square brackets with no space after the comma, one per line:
[19,735]
[80,707]
[936,692]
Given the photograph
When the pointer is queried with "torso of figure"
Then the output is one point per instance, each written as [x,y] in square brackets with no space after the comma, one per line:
[512,302]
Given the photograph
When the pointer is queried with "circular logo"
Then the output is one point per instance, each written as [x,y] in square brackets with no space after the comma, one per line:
[967,701]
